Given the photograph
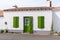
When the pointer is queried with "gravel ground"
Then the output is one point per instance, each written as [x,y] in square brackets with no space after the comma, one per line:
[19,36]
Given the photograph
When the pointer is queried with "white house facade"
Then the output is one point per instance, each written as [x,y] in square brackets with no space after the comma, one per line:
[41,19]
[30,19]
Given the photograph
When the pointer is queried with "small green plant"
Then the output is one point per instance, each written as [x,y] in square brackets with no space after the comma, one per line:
[51,32]
[1,31]
[59,34]
[52,29]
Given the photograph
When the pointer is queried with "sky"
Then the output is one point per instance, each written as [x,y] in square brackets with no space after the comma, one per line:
[5,4]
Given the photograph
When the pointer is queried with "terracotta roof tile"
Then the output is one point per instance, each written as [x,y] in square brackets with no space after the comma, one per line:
[56,8]
[28,8]
[1,13]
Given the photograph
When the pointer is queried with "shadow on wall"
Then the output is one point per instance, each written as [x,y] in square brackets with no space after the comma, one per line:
[56,23]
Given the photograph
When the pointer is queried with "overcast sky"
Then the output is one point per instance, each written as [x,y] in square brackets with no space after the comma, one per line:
[5,4]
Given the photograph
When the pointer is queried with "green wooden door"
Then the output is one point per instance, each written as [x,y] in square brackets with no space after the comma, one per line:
[28,24]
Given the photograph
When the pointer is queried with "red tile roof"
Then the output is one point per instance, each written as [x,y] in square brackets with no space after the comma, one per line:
[1,13]
[28,8]
[56,8]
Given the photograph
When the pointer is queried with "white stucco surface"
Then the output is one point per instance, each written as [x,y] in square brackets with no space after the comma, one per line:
[56,21]
[2,24]
[47,14]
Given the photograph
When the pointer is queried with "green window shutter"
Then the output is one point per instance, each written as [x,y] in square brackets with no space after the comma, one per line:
[15,22]
[40,21]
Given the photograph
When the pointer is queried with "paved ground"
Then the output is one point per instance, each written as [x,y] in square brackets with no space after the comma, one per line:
[19,36]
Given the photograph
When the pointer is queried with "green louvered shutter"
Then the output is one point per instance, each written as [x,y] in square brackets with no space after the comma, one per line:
[16,22]
[41,22]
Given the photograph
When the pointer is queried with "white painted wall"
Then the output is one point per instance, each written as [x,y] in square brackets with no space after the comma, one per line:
[56,21]
[9,18]
[2,27]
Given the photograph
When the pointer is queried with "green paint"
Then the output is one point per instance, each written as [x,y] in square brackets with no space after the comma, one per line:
[28,28]
[15,22]
[41,22]
[31,24]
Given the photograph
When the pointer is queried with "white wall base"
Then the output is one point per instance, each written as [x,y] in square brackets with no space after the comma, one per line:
[34,32]
[42,32]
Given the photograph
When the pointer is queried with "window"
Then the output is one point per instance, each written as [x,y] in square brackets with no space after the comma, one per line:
[41,22]
[15,22]
[27,21]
